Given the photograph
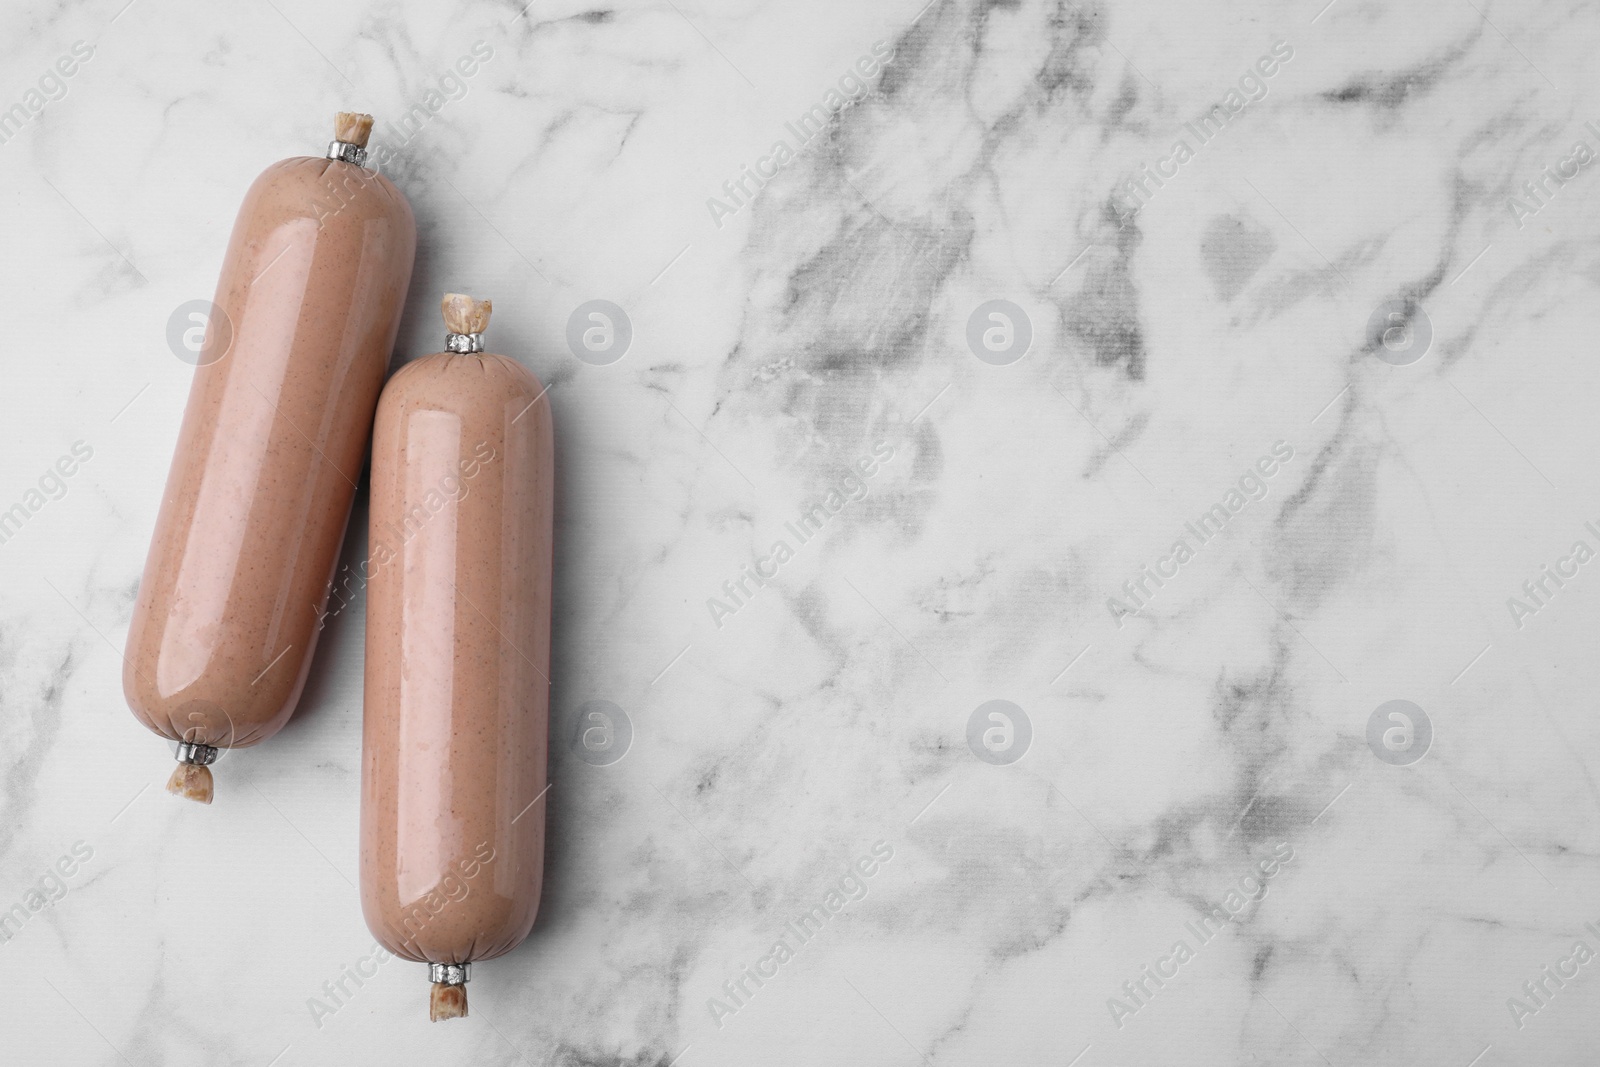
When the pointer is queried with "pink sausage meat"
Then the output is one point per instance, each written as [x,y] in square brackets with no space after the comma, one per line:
[271,446]
[458,651]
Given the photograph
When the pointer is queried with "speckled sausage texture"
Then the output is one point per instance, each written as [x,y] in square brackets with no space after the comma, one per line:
[271,447]
[458,659]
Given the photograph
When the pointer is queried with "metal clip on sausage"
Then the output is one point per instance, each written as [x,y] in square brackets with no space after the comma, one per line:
[468,316]
[350,133]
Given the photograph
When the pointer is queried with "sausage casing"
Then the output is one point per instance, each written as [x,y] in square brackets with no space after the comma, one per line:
[458,650]
[269,453]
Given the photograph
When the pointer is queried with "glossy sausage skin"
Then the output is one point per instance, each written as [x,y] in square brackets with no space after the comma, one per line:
[458,652]
[272,444]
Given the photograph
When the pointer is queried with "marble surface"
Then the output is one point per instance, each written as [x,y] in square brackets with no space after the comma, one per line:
[1351,320]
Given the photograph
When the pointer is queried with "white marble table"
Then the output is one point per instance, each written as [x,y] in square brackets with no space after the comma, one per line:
[1201,354]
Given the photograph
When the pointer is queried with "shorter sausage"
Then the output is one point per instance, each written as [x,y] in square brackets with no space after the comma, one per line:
[272,444]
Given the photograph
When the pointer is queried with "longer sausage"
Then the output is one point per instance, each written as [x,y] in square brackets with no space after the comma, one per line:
[272,444]
[458,653]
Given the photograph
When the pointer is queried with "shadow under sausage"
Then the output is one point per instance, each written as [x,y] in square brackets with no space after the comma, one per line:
[334,683]
[575,801]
